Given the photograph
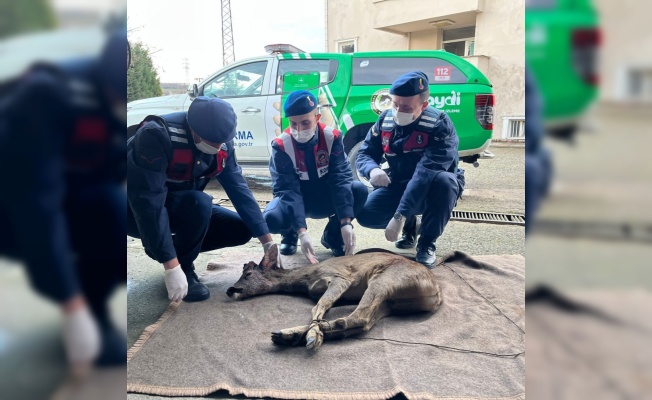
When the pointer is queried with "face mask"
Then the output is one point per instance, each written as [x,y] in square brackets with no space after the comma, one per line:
[403,118]
[206,148]
[303,136]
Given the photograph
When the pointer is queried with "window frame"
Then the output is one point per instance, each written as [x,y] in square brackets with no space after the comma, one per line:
[279,90]
[339,43]
[235,67]
[467,45]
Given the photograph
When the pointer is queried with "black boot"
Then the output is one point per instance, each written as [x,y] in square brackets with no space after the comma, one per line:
[426,254]
[289,243]
[409,235]
[113,350]
[332,237]
[197,291]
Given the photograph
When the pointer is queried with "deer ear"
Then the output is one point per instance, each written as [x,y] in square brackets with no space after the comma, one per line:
[270,261]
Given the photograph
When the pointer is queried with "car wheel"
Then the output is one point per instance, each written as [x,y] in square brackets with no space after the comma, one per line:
[358,176]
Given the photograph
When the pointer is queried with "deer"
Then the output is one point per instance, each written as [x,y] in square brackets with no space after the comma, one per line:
[379,281]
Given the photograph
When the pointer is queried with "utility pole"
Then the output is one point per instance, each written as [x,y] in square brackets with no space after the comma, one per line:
[186,67]
[228,55]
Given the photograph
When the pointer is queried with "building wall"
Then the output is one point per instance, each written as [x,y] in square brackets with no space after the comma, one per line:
[349,19]
[422,40]
[499,45]
[624,46]
[500,36]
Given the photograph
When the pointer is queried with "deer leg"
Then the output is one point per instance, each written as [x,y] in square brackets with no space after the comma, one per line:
[315,335]
[293,336]
[371,309]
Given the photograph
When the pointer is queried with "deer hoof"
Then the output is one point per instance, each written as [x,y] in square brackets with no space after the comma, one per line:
[314,339]
[286,339]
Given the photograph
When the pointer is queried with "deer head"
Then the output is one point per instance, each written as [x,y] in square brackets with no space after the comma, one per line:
[256,278]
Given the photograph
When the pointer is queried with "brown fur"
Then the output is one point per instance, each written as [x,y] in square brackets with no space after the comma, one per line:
[381,282]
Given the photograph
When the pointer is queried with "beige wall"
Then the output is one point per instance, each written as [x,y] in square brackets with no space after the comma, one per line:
[500,36]
[425,40]
[499,46]
[624,46]
[346,19]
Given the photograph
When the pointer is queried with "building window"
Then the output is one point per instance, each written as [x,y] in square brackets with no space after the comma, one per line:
[459,41]
[347,45]
[640,85]
[513,128]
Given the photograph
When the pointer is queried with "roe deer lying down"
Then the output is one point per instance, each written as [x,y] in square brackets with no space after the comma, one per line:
[383,282]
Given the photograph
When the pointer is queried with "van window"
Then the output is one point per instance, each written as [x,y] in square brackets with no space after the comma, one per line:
[534,4]
[384,71]
[242,81]
[327,70]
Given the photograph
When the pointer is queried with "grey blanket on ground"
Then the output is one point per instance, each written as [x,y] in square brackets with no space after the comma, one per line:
[471,348]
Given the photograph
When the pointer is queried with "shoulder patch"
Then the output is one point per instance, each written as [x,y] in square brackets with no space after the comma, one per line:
[279,143]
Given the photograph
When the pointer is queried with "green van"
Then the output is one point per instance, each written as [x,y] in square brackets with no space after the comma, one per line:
[562,39]
[353,89]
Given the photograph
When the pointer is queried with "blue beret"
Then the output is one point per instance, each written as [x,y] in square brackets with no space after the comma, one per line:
[212,119]
[299,103]
[410,84]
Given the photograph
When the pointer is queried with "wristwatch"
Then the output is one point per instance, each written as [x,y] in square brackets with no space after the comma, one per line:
[399,217]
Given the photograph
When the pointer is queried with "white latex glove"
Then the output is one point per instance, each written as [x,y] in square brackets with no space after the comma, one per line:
[306,247]
[81,337]
[378,178]
[176,282]
[267,246]
[349,239]
[393,229]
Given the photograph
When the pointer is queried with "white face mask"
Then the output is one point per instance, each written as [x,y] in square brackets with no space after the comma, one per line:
[206,148]
[302,136]
[403,118]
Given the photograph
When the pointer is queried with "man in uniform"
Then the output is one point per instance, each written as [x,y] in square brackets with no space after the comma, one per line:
[420,145]
[311,177]
[171,159]
[62,166]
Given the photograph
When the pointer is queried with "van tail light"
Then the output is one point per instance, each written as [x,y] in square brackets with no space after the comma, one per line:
[585,54]
[484,110]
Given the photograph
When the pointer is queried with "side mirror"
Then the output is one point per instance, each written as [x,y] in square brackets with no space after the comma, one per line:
[193,91]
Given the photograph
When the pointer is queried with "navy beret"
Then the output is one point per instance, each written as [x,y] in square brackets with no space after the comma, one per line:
[410,84]
[212,119]
[299,103]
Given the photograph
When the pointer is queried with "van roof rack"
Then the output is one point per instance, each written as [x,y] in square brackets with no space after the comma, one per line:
[282,48]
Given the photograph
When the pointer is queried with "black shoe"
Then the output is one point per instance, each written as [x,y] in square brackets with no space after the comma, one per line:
[426,255]
[197,291]
[289,244]
[332,238]
[114,346]
[409,235]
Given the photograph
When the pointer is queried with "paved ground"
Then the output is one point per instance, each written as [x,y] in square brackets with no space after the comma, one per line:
[29,331]
[604,177]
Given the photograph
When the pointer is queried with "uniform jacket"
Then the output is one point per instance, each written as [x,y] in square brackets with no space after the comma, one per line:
[162,157]
[312,171]
[416,153]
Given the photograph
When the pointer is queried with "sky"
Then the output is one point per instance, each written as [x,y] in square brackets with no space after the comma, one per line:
[175,29]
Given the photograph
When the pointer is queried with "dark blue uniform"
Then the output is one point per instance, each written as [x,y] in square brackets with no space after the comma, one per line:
[312,179]
[422,158]
[62,168]
[538,162]
[166,178]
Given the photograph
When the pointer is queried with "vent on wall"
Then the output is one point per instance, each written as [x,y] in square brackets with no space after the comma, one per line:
[513,128]
[442,23]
